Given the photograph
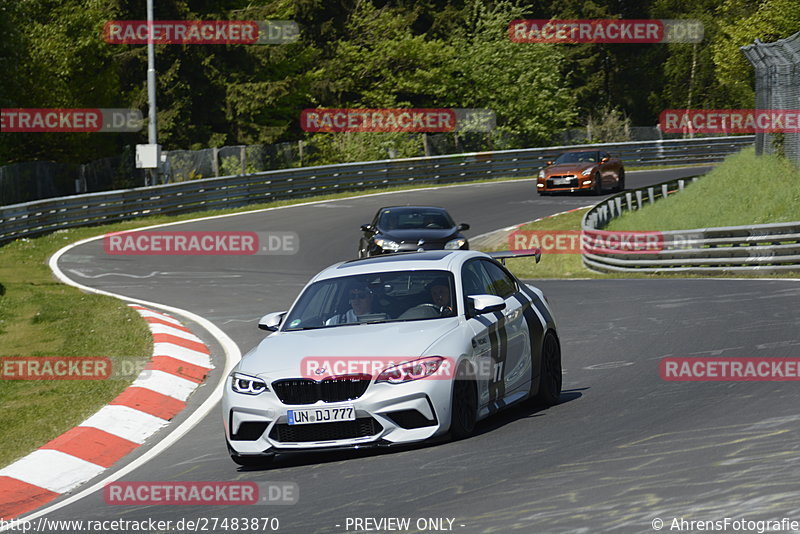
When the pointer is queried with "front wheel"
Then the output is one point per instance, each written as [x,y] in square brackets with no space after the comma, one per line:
[550,371]
[464,407]
[598,185]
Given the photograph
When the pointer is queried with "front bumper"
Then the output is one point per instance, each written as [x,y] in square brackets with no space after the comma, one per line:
[572,183]
[415,247]
[386,414]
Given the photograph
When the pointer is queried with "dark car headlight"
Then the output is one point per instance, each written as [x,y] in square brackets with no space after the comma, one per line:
[387,244]
[248,385]
[455,244]
[587,172]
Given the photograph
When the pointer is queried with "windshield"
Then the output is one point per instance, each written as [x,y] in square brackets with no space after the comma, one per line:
[415,219]
[374,298]
[577,157]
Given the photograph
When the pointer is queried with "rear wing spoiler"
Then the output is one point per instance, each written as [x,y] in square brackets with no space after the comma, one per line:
[503,255]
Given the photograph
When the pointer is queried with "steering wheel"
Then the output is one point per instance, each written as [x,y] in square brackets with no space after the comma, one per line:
[422,311]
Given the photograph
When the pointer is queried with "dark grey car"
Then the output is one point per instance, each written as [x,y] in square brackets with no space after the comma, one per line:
[410,229]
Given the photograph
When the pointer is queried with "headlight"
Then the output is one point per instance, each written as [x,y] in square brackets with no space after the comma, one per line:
[541,174]
[587,172]
[387,244]
[248,385]
[455,244]
[409,371]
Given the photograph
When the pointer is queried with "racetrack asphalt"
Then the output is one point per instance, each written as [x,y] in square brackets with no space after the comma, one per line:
[624,446]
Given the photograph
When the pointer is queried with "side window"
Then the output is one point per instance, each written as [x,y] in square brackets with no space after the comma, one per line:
[474,279]
[501,284]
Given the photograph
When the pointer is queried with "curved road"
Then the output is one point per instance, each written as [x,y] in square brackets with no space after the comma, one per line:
[622,448]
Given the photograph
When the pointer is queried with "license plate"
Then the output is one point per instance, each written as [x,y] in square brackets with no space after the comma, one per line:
[561,181]
[321,415]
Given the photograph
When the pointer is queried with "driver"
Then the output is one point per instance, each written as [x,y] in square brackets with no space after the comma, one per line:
[440,295]
[360,297]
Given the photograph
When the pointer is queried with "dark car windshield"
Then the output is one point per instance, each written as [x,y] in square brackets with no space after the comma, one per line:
[577,157]
[414,219]
[374,298]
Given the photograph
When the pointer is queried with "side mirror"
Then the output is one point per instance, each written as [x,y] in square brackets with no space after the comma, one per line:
[462,227]
[603,160]
[486,303]
[272,321]
[549,163]
[366,227]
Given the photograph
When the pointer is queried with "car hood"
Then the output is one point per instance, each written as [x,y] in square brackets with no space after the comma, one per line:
[568,168]
[426,234]
[280,355]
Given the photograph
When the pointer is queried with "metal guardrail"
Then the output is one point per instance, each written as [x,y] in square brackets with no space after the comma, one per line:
[766,247]
[42,216]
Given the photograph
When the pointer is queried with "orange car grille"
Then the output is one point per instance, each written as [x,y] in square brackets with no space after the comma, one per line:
[565,180]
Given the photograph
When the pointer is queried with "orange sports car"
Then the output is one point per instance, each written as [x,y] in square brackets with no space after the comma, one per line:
[582,170]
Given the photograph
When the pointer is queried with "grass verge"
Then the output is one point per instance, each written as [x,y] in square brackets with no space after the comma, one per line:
[42,317]
[745,189]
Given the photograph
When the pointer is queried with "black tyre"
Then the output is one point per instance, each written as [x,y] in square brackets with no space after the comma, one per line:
[621,181]
[464,406]
[550,371]
[598,185]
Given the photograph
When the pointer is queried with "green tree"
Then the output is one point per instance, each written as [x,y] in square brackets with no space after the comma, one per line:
[522,82]
[747,20]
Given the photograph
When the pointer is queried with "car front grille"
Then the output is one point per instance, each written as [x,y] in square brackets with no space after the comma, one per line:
[333,389]
[572,181]
[360,428]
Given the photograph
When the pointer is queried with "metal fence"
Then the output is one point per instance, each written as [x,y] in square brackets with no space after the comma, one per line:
[44,216]
[23,182]
[777,67]
[764,247]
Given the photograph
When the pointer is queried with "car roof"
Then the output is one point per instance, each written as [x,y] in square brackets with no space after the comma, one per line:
[412,208]
[444,260]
